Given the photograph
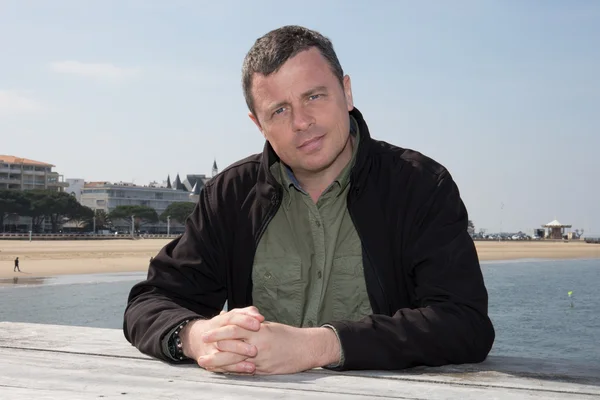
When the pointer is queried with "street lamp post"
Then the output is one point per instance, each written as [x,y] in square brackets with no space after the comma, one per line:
[132,225]
[501,212]
[168,225]
[94,219]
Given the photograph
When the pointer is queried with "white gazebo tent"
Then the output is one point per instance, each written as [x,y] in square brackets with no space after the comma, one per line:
[556,230]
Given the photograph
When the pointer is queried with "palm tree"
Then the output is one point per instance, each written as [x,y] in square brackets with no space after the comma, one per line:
[102,220]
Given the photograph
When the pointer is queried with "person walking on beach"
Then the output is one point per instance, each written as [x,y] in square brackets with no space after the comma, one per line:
[16,268]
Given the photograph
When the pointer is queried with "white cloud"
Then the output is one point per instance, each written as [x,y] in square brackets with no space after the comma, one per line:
[104,71]
[17,102]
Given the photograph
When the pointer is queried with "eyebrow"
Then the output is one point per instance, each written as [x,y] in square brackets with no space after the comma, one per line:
[309,92]
[314,90]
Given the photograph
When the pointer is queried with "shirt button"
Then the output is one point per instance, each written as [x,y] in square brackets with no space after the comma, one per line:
[268,275]
[318,223]
[319,274]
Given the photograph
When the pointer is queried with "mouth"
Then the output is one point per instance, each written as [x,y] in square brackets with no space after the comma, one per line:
[311,142]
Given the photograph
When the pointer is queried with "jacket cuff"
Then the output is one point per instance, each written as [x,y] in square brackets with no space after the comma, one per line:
[164,343]
[340,363]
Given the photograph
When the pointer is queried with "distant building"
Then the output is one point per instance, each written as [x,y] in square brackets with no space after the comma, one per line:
[215,169]
[18,173]
[75,187]
[107,196]
[23,174]
[556,230]
[192,184]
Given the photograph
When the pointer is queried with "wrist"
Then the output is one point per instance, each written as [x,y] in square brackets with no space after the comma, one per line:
[191,349]
[325,347]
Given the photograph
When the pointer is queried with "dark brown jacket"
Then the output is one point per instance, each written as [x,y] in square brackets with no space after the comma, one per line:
[421,268]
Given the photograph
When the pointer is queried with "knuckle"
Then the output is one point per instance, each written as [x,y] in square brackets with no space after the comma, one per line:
[244,319]
[234,330]
[232,319]
[241,348]
[225,346]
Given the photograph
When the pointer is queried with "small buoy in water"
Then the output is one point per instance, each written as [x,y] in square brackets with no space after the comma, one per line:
[570,293]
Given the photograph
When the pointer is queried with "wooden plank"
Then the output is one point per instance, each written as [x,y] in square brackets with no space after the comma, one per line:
[81,358]
[74,376]
[73,339]
[499,371]
[493,371]
[83,376]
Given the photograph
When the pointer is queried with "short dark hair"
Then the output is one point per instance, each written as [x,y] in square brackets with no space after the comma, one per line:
[272,50]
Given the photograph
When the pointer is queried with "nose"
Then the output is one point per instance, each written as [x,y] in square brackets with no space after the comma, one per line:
[301,119]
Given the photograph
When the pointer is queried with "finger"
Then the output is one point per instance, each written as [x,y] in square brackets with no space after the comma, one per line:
[238,347]
[252,311]
[242,368]
[238,373]
[244,321]
[227,332]
[225,361]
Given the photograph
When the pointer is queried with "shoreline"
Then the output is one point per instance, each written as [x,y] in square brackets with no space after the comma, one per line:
[44,259]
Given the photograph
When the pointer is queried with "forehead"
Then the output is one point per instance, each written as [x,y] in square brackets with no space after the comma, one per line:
[305,70]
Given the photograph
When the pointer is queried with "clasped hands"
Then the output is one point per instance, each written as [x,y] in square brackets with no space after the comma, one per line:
[240,341]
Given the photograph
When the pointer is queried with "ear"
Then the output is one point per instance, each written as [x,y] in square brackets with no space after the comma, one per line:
[348,92]
[256,122]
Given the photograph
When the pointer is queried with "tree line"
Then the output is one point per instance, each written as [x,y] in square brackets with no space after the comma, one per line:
[58,208]
[42,206]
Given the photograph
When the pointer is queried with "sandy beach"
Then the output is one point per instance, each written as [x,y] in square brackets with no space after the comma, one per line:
[49,258]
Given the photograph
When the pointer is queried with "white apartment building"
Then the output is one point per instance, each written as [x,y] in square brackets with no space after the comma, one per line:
[107,196]
[75,187]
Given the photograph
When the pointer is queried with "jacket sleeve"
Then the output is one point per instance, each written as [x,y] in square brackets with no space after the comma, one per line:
[183,282]
[449,323]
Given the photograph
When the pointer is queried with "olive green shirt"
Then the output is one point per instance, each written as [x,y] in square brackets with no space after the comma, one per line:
[308,265]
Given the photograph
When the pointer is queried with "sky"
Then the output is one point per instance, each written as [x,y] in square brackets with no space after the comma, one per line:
[504,94]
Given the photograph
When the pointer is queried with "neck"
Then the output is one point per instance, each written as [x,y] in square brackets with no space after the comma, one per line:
[315,183]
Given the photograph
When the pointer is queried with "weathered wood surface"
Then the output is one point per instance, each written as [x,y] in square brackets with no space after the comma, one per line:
[61,362]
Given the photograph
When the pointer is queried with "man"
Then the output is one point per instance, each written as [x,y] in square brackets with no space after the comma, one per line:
[16,268]
[331,249]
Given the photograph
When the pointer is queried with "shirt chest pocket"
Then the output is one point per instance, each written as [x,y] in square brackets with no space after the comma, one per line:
[277,289]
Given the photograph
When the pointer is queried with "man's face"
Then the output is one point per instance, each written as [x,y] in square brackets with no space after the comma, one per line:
[302,110]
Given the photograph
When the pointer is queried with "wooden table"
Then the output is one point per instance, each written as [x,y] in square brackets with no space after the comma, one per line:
[61,362]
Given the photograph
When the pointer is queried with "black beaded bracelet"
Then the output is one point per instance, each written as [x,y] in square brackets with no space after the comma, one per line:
[175,344]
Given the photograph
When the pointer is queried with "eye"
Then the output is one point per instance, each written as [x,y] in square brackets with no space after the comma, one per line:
[314,96]
[279,111]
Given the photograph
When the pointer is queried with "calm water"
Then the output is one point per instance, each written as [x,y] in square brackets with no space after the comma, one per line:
[529,306]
